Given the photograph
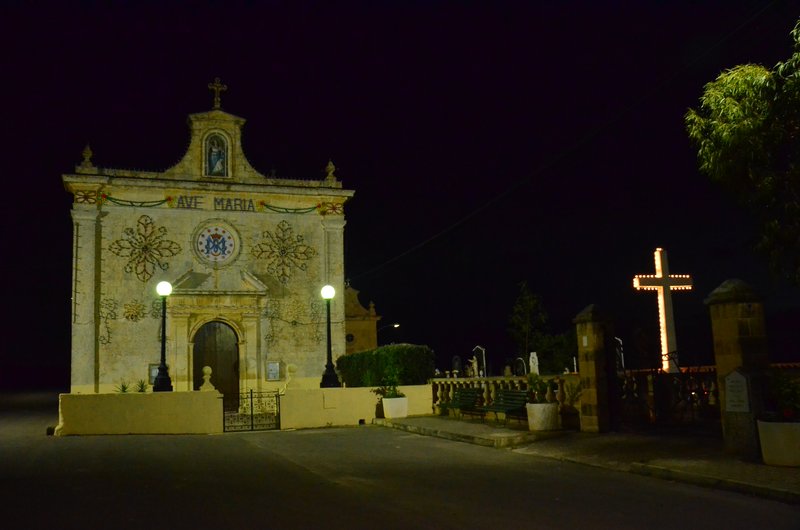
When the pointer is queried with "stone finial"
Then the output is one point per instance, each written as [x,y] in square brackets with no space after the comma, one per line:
[87,157]
[371,307]
[732,291]
[217,87]
[330,171]
[207,386]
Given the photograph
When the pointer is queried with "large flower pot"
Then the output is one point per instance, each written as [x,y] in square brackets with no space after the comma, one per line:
[780,443]
[395,407]
[543,416]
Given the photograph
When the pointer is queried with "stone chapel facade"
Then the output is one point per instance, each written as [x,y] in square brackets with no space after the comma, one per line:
[246,255]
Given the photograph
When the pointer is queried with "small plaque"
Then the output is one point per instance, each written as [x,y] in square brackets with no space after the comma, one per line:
[273,371]
[736,396]
[152,372]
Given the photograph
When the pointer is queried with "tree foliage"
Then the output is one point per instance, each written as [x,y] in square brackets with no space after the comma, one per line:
[528,327]
[528,318]
[746,131]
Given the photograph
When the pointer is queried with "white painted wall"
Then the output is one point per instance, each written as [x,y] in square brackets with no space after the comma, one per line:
[201,412]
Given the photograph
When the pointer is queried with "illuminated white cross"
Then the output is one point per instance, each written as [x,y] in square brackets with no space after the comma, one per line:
[663,282]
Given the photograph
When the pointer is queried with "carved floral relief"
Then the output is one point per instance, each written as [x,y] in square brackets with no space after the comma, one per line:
[284,251]
[146,248]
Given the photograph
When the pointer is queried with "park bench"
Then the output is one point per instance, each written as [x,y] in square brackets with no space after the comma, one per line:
[510,402]
[465,401]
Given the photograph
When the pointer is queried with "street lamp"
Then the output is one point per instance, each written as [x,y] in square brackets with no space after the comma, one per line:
[329,377]
[377,333]
[163,383]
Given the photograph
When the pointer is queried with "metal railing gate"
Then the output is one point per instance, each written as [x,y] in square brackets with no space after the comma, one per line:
[251,411]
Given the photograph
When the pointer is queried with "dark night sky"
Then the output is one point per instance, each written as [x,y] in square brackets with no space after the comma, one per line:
[488,143]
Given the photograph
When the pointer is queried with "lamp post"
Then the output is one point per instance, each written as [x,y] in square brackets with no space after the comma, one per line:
[329,377]
[163,383]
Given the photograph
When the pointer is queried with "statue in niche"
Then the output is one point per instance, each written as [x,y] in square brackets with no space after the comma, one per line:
[216,156]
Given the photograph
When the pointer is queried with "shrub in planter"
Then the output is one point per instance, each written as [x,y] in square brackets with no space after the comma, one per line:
[537,389]
[391,402]
[779,428]
[570,417]
[784,398]
[542,415]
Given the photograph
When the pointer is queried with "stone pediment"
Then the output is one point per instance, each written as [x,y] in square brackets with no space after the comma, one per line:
[214,156]
[215,151]
[216,282]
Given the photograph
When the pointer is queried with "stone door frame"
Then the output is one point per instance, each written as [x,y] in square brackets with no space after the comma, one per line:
[187,312]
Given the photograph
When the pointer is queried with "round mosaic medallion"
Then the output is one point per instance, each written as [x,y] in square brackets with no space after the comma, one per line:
[216,243]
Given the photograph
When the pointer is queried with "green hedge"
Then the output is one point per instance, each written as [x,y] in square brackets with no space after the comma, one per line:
[414,365]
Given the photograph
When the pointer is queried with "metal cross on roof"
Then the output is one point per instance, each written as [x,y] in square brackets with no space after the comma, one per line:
[664,283]
[217,87]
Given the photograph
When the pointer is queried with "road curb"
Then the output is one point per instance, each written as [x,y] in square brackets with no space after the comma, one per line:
[498,442]
[715,482]
[639,468]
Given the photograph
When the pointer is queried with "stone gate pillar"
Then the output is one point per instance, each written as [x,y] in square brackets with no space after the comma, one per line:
[594,331]
[740,354]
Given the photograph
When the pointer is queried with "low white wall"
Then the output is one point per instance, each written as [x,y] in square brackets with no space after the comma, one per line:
[325,407]
[140,413]
[201,412]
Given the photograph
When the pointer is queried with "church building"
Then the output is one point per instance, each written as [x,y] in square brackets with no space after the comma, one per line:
[247,255]
[361,329]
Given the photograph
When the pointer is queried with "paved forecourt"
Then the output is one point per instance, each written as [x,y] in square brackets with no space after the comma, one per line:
[359,477]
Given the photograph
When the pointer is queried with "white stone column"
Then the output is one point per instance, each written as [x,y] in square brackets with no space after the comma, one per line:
[250,353]
[85,362]
[260,343]
[181,371]
[333,274]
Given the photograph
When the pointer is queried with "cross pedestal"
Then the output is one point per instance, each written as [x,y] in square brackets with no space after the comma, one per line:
[664,283]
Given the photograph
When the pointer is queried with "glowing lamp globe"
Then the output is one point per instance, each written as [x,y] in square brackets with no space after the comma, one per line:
[164,288]
[328,292]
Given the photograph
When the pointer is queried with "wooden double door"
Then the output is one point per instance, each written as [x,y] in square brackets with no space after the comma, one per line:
[216,345]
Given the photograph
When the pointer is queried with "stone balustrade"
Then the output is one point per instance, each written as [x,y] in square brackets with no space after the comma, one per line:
[444,388]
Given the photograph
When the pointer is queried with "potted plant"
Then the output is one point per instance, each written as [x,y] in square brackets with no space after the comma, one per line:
[542,415]
[779,428]
[570,417]
[393,402]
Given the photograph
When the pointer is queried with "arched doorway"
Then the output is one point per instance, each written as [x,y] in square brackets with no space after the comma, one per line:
[216,345]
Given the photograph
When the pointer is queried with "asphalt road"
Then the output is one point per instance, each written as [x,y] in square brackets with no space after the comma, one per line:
[366,477]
